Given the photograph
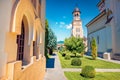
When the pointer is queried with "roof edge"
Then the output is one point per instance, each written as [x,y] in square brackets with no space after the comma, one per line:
[96,18]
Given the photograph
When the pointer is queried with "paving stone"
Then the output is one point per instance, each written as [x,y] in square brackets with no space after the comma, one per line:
[55,72]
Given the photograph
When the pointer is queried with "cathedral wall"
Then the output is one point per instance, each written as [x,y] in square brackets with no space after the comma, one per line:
[114,6]
[97,24]
[104,42]
[102,33]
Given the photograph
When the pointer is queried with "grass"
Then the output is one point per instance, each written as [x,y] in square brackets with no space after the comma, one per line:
[99,76]
[88,61]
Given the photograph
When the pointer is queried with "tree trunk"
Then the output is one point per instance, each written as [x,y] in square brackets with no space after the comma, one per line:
[75,54]
[50,51]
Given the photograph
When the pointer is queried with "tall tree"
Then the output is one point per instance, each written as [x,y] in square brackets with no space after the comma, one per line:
[94,48]
[75,45]
[46,37]
[50,39]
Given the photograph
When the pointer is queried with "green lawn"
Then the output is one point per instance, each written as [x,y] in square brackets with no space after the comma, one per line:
[88,61]
[99,76]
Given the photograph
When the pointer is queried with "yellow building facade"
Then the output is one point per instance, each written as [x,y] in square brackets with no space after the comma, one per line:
[22,34]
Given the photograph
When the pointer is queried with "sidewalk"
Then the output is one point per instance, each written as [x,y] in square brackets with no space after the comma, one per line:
[54,70]
[114,61]
[97,70]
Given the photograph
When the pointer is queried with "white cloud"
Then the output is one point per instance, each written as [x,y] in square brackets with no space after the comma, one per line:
[62,23]
[69,26]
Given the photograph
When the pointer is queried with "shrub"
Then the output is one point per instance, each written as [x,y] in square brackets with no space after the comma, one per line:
[88,72]
[67,57]
[82,54]
[60,52]
[63,54]
[76,62]
[94,48]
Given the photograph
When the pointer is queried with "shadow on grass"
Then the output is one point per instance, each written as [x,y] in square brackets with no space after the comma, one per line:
[86,78]
[89,58]
[76,56]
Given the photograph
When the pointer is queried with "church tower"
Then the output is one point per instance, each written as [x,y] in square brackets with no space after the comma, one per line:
[77,30]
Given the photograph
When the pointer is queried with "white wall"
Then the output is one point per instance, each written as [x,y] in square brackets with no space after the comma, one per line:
[97,24]
[105,41]
[115,7]
[103,31]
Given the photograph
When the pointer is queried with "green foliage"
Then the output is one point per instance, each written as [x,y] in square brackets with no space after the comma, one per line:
[62,51]
[94,48]
[82,54]
[46,38]
[67,57]
[75,45]
[99,76]
[76,62]
[60,48]
[88,72]
[63,54]
[50,39]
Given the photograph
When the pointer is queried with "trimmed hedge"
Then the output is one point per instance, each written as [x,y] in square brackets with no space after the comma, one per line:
[88,72]
[76,62]
[63,54]
[67,57]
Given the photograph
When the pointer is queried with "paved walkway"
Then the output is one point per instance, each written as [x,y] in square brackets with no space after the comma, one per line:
[54,70]
[114,61]
[97,70]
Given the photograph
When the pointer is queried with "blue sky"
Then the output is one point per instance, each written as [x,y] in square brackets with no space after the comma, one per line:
[59,15]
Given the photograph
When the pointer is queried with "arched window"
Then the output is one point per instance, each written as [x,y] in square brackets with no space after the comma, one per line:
[35,53]
[20,43]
